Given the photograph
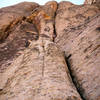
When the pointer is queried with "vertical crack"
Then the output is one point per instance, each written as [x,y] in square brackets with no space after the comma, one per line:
[68,62]
[54,35]
[43,58]
[74,80]
[43,38]
[43,68]
[54,26]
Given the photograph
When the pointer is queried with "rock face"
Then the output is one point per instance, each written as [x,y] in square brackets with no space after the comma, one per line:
[11,15]
[78,34]
[50,52]
[91,1]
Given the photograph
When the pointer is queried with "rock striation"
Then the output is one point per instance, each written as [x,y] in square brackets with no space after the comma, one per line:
[78,34]
[50,52]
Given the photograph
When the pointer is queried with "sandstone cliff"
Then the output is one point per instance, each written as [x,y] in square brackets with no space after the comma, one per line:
[50,52]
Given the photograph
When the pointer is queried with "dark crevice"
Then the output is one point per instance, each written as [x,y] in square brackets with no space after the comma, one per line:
[98,29]
[54,26]
[27,43]
[67,61]
[54,35]
[54,30]
[74,80]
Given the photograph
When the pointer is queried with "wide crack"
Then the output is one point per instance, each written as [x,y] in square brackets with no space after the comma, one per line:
[54,26]
[74,80]
[66,59]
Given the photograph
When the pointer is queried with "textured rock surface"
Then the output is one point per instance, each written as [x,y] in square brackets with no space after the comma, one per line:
[50,52]
[40,72]
[78,34]
[11,15]
[91,1]
[17,31]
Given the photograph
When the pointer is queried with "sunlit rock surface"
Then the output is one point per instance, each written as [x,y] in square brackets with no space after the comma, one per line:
[50,52]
